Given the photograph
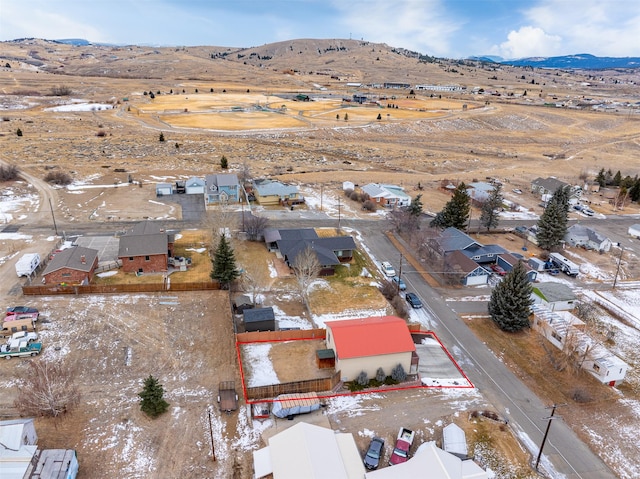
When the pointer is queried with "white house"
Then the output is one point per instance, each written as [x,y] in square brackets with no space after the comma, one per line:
[553,296]
[307,450]
[562,330]
[164,189]
[195,186]
[578,235]
[387,195]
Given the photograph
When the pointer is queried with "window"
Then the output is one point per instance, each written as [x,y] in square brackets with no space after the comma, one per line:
[556,336]
[147,258]
[130,258]
[596,367]
[66,275]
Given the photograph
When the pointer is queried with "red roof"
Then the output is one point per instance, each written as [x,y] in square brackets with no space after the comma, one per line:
[356,338]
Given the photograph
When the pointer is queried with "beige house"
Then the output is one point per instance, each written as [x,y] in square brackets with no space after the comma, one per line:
[367,344]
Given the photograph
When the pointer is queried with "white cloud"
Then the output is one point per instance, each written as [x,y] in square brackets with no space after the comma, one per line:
[530,42]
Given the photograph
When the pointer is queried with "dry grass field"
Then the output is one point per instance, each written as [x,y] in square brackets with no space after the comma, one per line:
[251,118]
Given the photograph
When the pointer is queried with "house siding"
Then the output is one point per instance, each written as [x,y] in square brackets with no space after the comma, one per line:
[156,264]
[70,275]
[351,367]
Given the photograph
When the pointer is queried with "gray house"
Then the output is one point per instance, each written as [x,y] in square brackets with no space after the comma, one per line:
[194,186]
[222,188]
[578,235]
[484,254]
[547,186]
[507,261]
[452,239]
[554,296]
[460,268]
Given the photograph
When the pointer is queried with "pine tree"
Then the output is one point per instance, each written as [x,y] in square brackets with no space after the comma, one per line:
[601,178]
[489,217]
[456,212]
[415,208]
[617,179]
[552,226]
[224,263]
[510,303]
[224,163]
[152,403]
[161,137]
[634,191]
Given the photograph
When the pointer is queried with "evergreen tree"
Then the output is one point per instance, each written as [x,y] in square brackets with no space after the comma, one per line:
[224,263]
[489,217]
[634,191]
[161,137]
[601,178]
[552,226]
[415,208]
[152,403]
[617,179]
[510,303]
[224,163]
[19,132]
[456,212]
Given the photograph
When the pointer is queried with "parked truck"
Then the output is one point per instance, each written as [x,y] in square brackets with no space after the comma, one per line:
[10,327]
[403,445]
[27,264]
[564,265]
[23,348]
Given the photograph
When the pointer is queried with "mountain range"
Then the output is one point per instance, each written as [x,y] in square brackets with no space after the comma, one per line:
[581,61]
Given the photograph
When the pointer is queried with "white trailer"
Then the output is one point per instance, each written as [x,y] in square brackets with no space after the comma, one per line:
[563,264]
[634,230]
[27,265]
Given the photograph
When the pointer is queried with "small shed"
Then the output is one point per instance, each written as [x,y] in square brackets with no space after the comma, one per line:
[292,404]
[194,186]
[325,358]
[164,189]
[259,319]
[454,440]
[536,264]
[242,302]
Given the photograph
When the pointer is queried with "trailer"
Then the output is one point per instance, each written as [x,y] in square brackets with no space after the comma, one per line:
[227,396]
[634,230]
[564,265]
[288,405]
[27,264]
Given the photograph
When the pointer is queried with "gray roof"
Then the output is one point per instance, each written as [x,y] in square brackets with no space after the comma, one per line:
[258,314]
[459,258]
[221,179]
[452,239]
[143,245]
[72,258]
[490,249]
[195,181]
[586,233]
[550,184]
[145,228]
[553,292]
[292,242]
[273,188]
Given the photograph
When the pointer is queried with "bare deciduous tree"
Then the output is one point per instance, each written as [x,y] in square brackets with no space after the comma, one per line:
[306,267]
[254,280]
[254,226]
[220,220]
[48,389]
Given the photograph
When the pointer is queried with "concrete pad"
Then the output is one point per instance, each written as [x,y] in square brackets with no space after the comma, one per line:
[435,362]
[107,246]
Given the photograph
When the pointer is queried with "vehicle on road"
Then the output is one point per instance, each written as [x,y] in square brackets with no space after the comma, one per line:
[387,269]
[413,300]
[403,445]
[399,282]
[374,453]
[588,211]
[22,349]
[20,310]
[517,191]
[498,269]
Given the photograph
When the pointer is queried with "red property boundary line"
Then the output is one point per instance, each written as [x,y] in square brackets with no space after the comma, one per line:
[356,393]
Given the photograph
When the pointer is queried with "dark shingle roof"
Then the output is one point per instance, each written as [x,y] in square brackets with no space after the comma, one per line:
[458,258]
[143,245]
[452,239]
[294,241]
[258,314]
[72,258]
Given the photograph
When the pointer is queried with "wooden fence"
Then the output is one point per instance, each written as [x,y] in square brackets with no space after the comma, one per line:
[48,290]
[265,336]
[307,386]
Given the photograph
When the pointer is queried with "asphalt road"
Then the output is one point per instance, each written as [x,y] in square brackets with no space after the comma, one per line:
[564,454]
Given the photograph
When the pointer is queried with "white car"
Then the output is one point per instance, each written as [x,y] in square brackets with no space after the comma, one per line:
[387,269]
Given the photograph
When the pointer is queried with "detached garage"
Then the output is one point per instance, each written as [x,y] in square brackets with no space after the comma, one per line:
[259,319]
[194,186]
[164,189]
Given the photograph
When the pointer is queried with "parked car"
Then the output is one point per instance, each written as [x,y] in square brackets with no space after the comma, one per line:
[521,230]
[413,300]
[553,272]
[577,207]
[498,269]
[387,269]
[399,282]
[374,453]
[20,310]
[588,211]
[517,191]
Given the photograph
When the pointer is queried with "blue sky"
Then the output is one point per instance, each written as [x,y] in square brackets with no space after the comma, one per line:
[445,28]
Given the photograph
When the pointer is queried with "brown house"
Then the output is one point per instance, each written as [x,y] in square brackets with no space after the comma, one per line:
[74,265]
[146,248]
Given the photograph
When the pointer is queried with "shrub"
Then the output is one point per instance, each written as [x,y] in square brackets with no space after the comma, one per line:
[369,205]
[581,395]
[400,305]
[61,90]
[161,137]
[362,379]
[355,196]
[101,133]
[224,163]
[348,192]
[9,173]
[380,375]
[6,118]
[19,132]
[58,178]
[389,290]
[398,373]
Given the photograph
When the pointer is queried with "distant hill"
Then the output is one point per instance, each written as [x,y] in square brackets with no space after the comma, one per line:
[74,41]
[582,61]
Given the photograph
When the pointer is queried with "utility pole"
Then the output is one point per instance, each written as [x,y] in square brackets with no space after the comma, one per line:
[54,218]
[399,274]
[615,279]
[339,214]
[546,432]
[213,451]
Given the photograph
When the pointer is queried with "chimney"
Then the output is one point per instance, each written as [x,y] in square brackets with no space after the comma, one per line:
[83,259]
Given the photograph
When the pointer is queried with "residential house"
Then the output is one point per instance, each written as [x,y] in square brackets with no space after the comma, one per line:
[146,248]
[388,196]
[452,239]
[579,235]
[461,269]
[164,189]
[484,254]
[222,188]
[259,319]
[547,186]
[272,192]
[554,296]
[507,261]
[20,457]
[330,251]
[194,186]
[431,462]
[562,329]
[75,265]
[479,191]
[309,451]
[367,344]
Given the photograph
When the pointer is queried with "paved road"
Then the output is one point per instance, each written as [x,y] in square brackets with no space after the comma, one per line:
[564,454]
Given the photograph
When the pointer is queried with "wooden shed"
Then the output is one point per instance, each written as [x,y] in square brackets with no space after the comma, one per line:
[325,358]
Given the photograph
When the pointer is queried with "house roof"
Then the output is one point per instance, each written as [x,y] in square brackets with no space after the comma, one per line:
[77,258]
[309,451]
[273,188]
[373,336]
[554,292]
[258,314]
[144,228]
[195,181]
[480,250]
[377,190]
[585,233]
[512,260]
[11,432]
[460,259]
[143,245]
[292,242]
[452,239]
[549,184]
[431,462]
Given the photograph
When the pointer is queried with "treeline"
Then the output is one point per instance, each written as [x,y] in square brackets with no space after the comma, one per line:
[628,185]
